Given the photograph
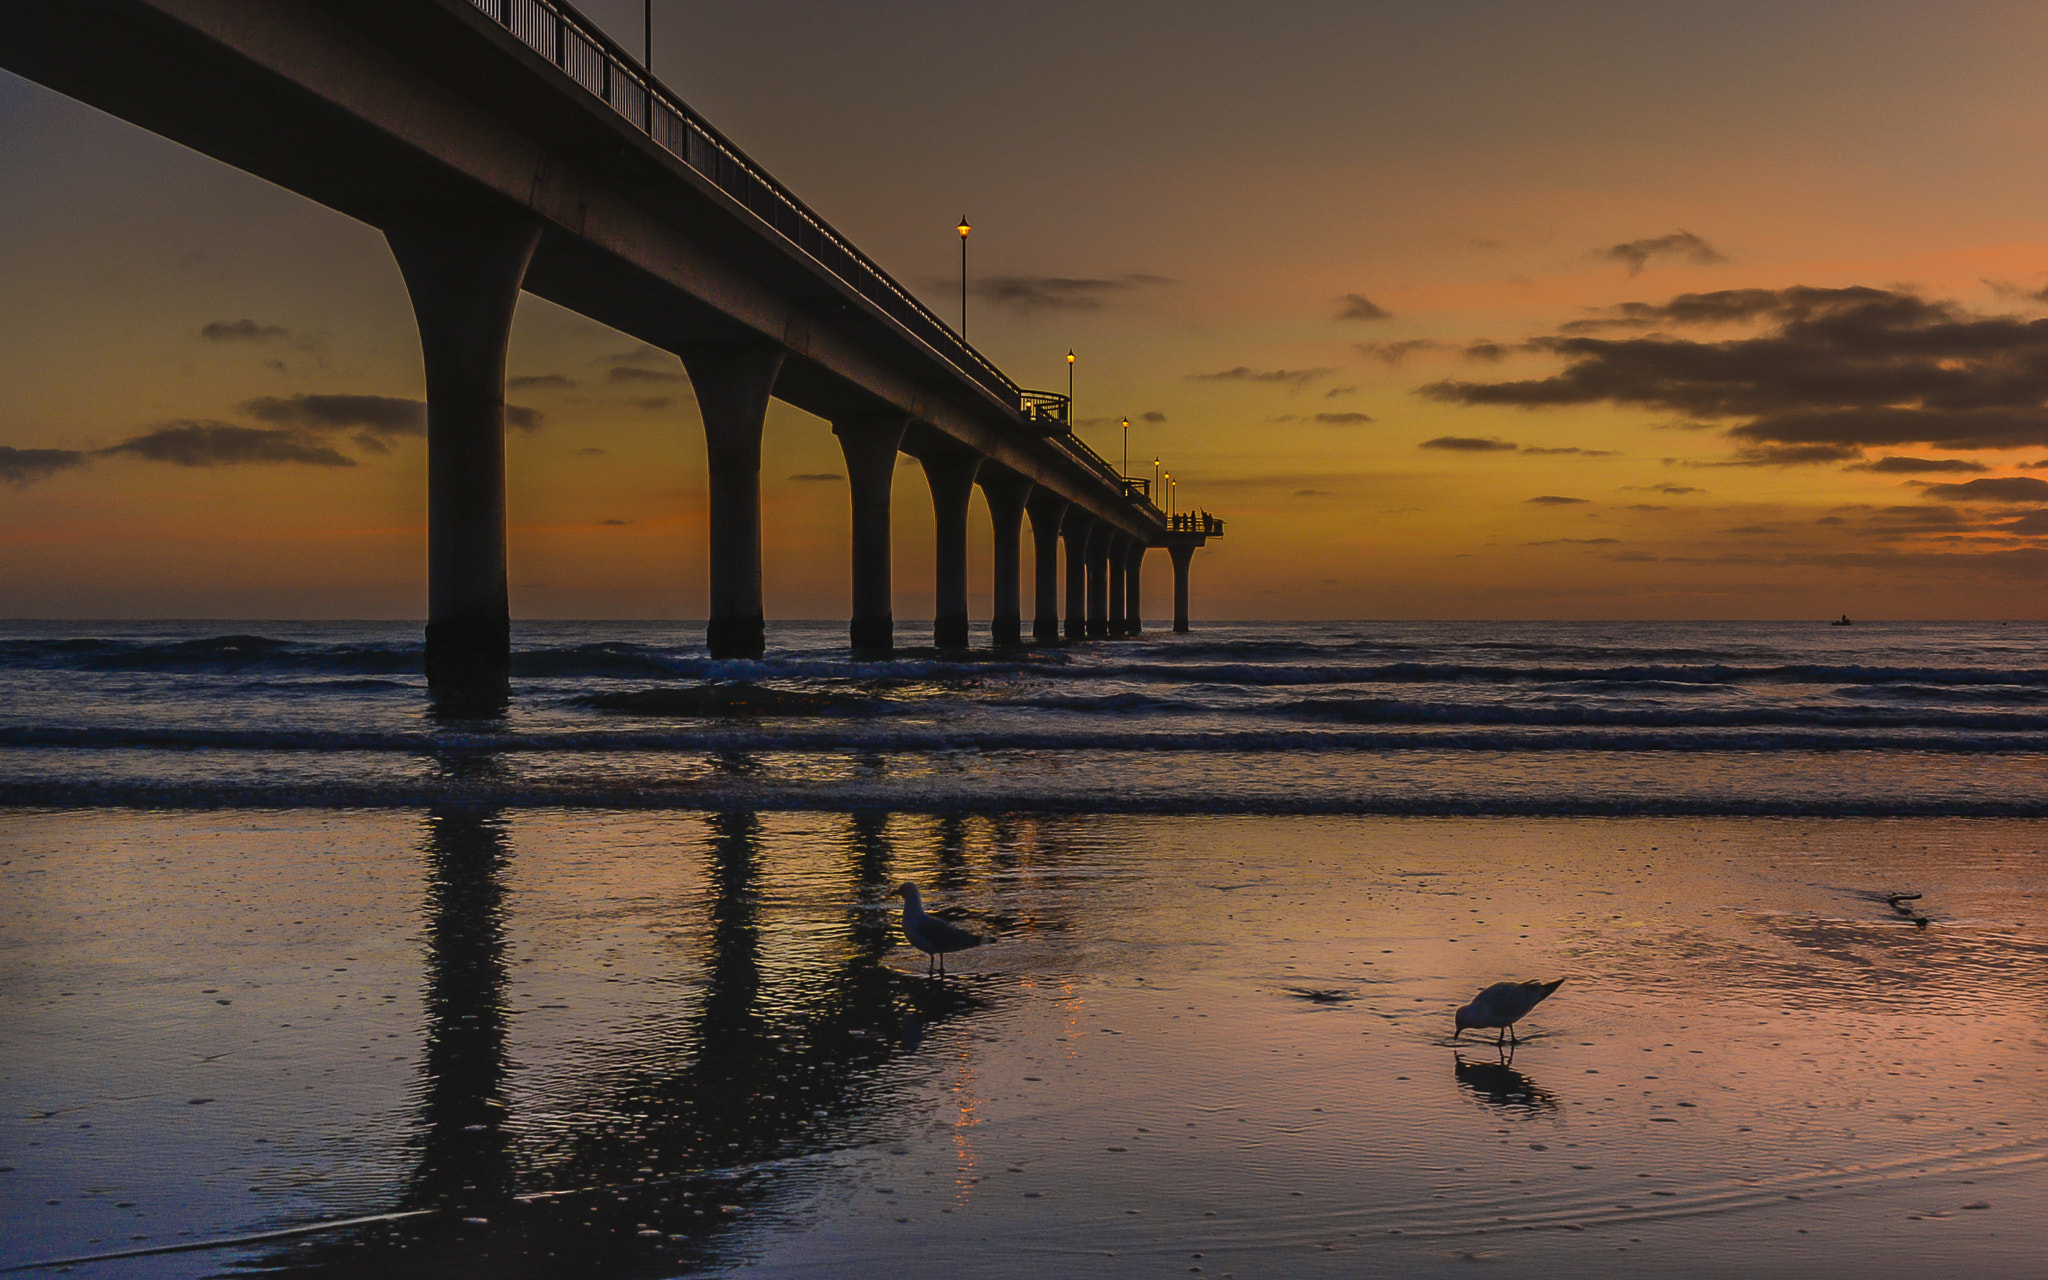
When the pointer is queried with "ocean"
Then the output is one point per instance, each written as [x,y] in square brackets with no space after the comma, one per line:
[299,976]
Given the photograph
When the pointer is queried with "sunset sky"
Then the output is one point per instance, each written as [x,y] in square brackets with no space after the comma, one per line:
[1451,310]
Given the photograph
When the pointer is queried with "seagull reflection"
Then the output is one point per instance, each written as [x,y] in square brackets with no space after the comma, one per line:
[1498,1084]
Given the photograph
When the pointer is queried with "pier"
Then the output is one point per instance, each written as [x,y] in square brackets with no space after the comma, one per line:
[508,146]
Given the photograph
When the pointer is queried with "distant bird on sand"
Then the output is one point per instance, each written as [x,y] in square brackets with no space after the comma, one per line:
[930,934]
[1501,1005]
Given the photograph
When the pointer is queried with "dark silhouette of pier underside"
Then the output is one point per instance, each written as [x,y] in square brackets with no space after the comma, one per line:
[505,146]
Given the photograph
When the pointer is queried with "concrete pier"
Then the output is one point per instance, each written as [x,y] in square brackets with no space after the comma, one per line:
[463,270]
[1006,492]
[1098,580]
[951,476]
[1119,549]
[1133,564]
[870,443]
[1076,530]
[1047,510]
[1182,553]
[733,382]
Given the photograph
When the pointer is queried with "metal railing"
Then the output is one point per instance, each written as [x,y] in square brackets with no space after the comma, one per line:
[1047,411]
[1194,522]
[583,53]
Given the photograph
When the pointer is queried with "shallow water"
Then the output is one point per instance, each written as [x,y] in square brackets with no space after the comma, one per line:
[575,1042]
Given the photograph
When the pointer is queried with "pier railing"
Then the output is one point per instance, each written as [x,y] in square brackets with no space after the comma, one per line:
[1194,522]
[1046,410]
[586,55]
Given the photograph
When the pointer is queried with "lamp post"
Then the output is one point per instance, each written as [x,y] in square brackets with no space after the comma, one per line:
[647,36]
[1123,468]
[1155,482]
[963,229]
[1070,388]
[1169,497]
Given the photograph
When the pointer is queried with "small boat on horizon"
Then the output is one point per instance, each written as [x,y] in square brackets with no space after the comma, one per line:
[1842,621]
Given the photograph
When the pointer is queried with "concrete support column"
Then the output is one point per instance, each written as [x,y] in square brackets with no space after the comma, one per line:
[1134,561]
[1098,580]
[1075,529]
[733,382]
[463,270]
[870,443]
[1047,511]
[1006,492]
[1119,548]
[952,480]
[1182,552]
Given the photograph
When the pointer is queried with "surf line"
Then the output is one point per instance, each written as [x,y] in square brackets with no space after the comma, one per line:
[228,1242]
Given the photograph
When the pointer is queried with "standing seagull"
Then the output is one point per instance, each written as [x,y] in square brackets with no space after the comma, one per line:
[1501,1005]
[930,934]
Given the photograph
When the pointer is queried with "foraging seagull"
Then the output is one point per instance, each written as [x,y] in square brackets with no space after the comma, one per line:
[930,934]
[1501,1005]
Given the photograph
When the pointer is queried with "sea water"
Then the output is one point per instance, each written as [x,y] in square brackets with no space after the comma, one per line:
[303,974]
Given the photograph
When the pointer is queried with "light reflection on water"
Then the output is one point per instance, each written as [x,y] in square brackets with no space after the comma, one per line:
[657,1044]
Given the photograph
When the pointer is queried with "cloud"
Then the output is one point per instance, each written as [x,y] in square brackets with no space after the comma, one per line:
[614,523]
[24,467]
[1917,466]
[1575,542]
[1675,490]
[1334,392]
[1243,373]
[1152,416]
[1345,419]
[2002,489]
[1394,353]
[1356,306]
[1029,294]
[1680,244]
[205,443]
[1314,493]
[652,404]
[1469,444]
[378,415]
[1553,500]
[539,381]
[1835,371]
[1485,352]
[252,331]
[2007,289]
[816,477]
[241,331]
[1569,449]
[622,373]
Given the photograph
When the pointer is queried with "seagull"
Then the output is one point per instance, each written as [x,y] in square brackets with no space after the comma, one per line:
[930,934]
[1501,1005]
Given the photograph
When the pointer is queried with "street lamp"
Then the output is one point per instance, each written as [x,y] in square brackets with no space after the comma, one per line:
[1169,496]
[1070,388]
[963,229]
[1155,482]
[1124,468]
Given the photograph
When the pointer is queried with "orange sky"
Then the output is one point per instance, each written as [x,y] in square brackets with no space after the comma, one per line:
[1175,200]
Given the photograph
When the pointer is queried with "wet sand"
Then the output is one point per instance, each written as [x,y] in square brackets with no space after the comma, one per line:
[637,1044]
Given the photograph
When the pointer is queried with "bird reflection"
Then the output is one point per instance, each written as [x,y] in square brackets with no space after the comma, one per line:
[1498,1084]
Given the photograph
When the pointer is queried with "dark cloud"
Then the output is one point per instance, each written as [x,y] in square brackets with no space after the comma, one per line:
[1485,352]
[1152,416]
[1030,294]
[1395,353]
[539,381]
[202,443]
[2007,289]
[1646,506]
[1356,306]
[1569,449]
[1575,542]
[1243,373]
[1314,493]
[1675,490]
[652,404]
[2002,489]
[1553,500]
[614,523]
[241,331]
[1470,444]
[521,418]
[620,373]
[1835,372]
[1917,466]
[23,467]
[816,477]
[1334,392]
[377,415]
[1345,419]
[1680,244]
